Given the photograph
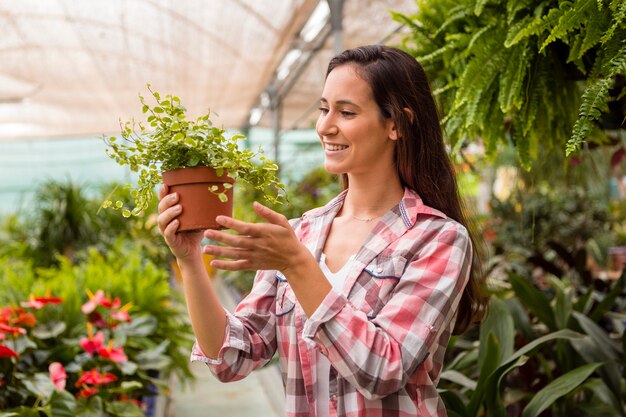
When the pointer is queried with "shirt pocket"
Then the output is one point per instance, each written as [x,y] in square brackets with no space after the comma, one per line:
[383,273]
[285,298]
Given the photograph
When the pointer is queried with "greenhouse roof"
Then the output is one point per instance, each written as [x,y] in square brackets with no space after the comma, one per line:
[74,68]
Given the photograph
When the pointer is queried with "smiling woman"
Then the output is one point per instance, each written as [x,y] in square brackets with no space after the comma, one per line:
[360,297]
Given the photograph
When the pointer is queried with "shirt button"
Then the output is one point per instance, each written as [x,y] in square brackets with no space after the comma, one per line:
[379,270]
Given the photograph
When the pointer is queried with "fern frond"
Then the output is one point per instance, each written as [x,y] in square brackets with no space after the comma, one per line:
[596,27]
[480,5]
[476,36]
[536,87]
[512,78]
[618,7]
[594,102]
[512,8]
[522,145]
[570,20]
[457,14]
[538,26]
[515,30]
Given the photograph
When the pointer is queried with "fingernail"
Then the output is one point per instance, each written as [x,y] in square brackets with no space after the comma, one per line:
[220,219]
[178,207]
[174,197]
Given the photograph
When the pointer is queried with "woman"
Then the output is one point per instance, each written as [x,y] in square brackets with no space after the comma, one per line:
[359,297]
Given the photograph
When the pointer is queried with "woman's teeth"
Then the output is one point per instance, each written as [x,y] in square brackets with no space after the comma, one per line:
[336,147]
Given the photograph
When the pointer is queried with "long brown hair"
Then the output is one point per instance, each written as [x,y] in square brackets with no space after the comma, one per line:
[400,84]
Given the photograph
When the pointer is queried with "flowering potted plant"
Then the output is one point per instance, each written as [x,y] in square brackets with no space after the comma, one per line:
[192,157]
[98,369]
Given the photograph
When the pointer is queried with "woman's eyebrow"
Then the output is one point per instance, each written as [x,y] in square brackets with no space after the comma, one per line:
[340,102]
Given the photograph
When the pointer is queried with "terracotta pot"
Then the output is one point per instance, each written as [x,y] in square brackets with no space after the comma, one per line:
[200,205]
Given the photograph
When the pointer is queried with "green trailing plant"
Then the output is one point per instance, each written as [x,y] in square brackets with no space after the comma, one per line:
[539,74]
[169,141]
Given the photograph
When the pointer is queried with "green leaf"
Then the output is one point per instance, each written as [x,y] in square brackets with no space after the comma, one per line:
[499,322]
[142,326]
[49,330]
[458,378]
[90,407]
[124,409]
[62,404]
[490,364]
[39,384]
[558,388]
[535,300]
[223,197]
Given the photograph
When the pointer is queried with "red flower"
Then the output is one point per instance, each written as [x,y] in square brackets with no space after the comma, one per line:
[13,330]
[6,352]
[87,392]
[97,320]
[115,354]
[94,377]
[26,319]
[39,302]
[126,399]
[92,344]
[58,375]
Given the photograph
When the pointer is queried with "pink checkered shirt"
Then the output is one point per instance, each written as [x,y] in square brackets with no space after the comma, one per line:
[384,334]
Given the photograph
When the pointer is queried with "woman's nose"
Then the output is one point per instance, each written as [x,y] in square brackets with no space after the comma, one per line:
[326,125]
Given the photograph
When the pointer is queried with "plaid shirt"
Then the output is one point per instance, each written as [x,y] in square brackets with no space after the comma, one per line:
[385,334]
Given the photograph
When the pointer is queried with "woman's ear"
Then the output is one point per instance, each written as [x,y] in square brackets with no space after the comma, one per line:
[395,133]
[409,114]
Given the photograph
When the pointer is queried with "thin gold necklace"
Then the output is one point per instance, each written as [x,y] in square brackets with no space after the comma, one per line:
[365,220]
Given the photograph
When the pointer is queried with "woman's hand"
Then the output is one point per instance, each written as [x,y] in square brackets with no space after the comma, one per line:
[183,245]
[271,245]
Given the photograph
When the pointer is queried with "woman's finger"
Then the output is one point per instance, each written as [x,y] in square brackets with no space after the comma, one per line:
[169,232]
[243,228]
[270,215]
[167,201]
[237,241]
[163,191]
[240,265]
[166,217]
[227,252]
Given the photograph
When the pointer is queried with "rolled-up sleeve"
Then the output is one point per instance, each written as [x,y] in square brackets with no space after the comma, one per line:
[250,337]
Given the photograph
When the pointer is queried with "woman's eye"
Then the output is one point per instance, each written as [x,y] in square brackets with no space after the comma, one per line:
[346,113]
[323,110]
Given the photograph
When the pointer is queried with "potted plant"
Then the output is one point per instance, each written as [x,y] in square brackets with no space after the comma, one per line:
[194,158]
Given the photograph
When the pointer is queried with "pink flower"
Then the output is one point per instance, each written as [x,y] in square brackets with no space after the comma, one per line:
[121,316]
[57,375]
[39,302]
[92,344]
[99,299]
[5,352]
[115,354]
[94,377]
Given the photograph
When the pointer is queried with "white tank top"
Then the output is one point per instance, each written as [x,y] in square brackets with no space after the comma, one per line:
[336,279]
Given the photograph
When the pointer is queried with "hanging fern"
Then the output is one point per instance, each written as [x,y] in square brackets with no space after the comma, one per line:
[541,78]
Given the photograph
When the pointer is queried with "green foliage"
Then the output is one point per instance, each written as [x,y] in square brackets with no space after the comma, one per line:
[63,221]
[525,363]
[170,141]
[546,76]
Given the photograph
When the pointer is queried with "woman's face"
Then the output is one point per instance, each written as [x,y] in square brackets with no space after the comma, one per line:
[355,138]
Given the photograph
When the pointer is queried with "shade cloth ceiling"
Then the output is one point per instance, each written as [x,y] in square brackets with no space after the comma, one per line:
[74,68]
